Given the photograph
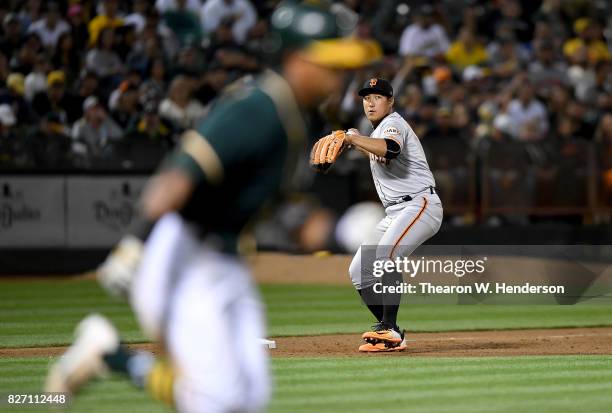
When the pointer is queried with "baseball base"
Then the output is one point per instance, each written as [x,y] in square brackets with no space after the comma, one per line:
[270,343]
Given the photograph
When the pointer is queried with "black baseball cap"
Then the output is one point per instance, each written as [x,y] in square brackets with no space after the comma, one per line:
[377,86]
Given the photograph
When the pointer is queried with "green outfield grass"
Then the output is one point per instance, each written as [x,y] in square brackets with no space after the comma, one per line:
[373,383]
[44,313]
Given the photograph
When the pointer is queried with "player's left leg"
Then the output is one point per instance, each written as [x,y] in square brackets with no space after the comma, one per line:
[213,332]
[211,323]
[413,223]
[168,247]
[419,220]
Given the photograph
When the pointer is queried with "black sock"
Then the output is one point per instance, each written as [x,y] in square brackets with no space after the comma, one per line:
[373,301]
[118,361]
[390,315]
[135,364]
[391,301]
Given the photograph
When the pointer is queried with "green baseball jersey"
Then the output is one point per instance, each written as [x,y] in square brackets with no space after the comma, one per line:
[240,155]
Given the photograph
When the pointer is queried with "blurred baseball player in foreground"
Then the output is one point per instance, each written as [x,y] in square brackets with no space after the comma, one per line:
[191,291]
[406,188]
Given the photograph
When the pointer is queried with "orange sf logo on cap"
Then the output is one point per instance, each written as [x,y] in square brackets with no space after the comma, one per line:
[373,82]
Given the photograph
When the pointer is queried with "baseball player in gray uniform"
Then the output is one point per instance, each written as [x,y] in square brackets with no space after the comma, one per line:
[406,188]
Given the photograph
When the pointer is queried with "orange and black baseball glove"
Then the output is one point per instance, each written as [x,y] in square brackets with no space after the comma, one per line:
[327,150]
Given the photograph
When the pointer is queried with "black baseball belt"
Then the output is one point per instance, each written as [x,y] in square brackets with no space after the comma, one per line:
[406,198]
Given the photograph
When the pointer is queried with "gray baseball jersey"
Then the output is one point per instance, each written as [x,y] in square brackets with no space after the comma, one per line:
[409,173]
[406,224]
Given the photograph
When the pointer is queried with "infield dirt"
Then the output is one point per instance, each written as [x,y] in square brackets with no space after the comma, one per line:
[574,341]
[577,341]
[282,268]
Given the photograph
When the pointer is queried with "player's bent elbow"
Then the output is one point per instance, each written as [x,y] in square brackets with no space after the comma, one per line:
[165,192]
[393,149]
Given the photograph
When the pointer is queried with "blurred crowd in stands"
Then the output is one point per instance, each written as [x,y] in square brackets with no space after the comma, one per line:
[109,82]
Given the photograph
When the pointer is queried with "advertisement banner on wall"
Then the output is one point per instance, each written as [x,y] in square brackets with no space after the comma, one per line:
[99,209]
[32,212]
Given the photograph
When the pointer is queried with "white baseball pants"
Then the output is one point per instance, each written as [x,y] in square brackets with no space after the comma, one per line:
[204,307]
[406,226]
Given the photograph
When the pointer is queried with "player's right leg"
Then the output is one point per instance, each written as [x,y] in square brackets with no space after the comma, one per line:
[382,336]
[361,270]
[363,279]
[95,352]
[84,360]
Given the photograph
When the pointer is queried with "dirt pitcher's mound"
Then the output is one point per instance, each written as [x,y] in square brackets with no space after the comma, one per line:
[575,341]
